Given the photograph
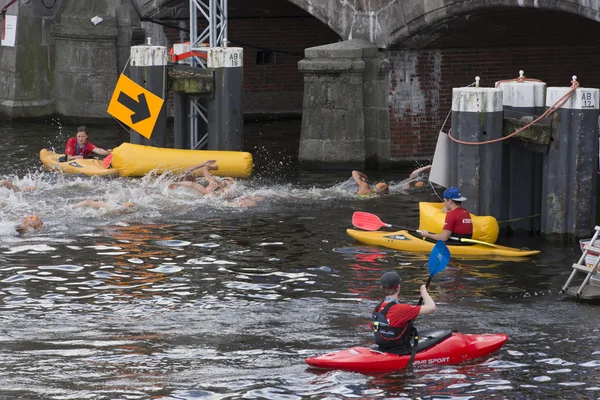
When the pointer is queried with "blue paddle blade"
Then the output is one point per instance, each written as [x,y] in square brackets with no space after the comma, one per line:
[439,258]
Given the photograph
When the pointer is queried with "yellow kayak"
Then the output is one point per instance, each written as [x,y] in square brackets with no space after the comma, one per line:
[404,241]
[88,166]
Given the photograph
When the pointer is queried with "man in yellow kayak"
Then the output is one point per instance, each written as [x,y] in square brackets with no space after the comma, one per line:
[458,220]
[364,190]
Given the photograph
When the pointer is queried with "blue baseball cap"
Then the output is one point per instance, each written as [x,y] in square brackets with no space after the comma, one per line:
[453,193]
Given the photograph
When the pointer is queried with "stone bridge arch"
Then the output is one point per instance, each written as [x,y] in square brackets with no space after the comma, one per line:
[391,22]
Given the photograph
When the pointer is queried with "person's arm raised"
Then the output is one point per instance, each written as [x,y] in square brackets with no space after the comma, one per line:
[428,306]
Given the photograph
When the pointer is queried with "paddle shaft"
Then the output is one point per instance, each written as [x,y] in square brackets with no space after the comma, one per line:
[427,286]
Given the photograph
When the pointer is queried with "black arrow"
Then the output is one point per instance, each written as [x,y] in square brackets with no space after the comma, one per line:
[139,108]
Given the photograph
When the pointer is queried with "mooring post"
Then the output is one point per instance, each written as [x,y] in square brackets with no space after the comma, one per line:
[569,187]
[149,69]
[225,108]
[181,123]
[522,167]
[476,169]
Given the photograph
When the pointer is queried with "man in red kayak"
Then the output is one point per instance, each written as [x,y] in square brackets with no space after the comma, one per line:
[79,147]
[393,321]
[458,220]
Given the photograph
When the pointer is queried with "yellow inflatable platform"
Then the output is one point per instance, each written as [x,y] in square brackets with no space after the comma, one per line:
[89,166]
[138,160]
[485,228]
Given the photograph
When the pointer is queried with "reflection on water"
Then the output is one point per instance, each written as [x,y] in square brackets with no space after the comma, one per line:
[185,297]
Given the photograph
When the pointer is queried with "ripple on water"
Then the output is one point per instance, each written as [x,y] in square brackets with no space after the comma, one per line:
[166,269]
[206,245]
[172,243]
[32,248]
[66,267]
[17,278]
[593,364]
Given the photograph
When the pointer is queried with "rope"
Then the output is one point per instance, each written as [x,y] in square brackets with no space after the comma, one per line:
[520,79]
[559,103]
[519,219]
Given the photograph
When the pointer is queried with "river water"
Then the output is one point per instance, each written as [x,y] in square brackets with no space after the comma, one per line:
[190,298]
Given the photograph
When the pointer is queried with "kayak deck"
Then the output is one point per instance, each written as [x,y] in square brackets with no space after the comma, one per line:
[456,349]
[87,166]
[403,240]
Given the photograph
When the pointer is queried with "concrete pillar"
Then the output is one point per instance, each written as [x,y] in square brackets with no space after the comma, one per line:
[569,187]
[333,121]
[376,108]
[225,108]
[476,170]
[148,68]
[521,167]
[27,68]
[87,62]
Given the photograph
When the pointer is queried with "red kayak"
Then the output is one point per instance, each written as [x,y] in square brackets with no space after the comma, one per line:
[435,347]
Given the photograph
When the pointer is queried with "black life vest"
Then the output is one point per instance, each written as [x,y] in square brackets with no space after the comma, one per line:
[397,340]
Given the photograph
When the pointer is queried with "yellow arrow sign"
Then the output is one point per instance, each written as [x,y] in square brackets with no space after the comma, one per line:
[135,106]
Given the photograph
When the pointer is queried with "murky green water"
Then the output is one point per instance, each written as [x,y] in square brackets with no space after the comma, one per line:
[188,298]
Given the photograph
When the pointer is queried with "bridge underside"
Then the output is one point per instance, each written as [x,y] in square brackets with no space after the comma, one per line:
[179,9]
[506,27]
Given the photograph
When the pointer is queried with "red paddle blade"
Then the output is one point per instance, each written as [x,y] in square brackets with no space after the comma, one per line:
[366,221]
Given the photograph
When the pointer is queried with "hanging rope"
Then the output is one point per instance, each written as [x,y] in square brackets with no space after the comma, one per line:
[548,112]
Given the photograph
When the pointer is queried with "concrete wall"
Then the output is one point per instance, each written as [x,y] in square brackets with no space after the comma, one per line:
[90,57]
[421,83]
[62,63]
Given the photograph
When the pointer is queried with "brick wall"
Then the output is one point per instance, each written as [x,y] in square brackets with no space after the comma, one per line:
[277,87]
[421,82]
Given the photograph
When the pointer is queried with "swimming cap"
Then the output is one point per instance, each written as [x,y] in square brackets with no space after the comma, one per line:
[32,221]
[382,188]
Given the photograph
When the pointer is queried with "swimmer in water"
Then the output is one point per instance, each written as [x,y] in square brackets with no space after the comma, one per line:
[103,205]
[9,185]
[364,190]
[29,223]
[417,178]
[214,188]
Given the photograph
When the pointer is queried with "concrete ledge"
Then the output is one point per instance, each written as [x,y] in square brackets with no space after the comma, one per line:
[190,80]
[11,109]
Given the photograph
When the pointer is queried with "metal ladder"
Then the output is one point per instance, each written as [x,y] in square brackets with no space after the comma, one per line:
[581,265]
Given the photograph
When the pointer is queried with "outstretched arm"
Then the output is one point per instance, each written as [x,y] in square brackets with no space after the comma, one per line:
[206,171]
[9,185]
[361,180]
[195,167]
[101,152]
[193,185]
[416,172]
[92,204]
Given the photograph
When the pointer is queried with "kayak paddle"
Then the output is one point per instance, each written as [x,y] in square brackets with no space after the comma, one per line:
[371,222]
[438,260]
